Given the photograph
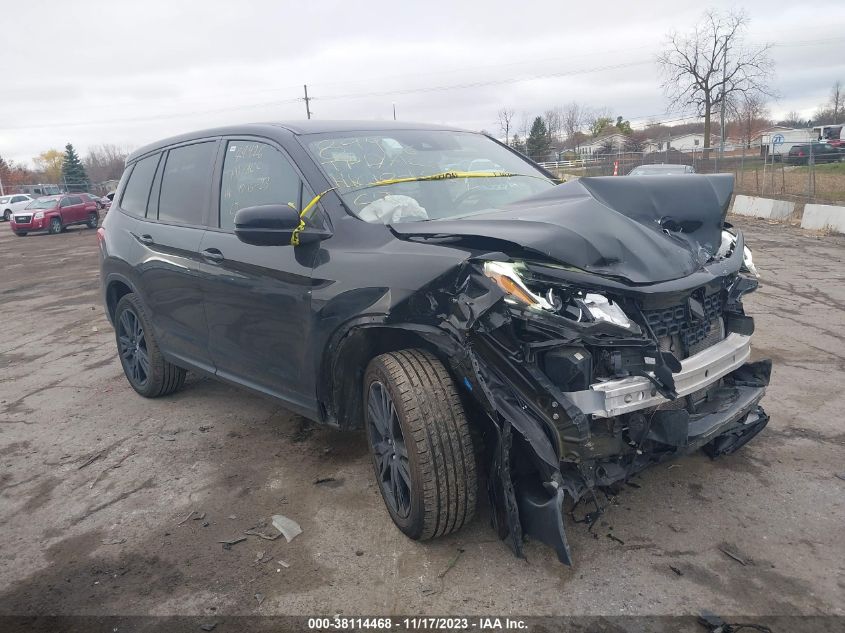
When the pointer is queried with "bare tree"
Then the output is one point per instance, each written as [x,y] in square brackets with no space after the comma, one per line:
[750,116]
[636,142]
[713,63]
[836,99]
[506,116]
[105,162]
[553,119]
[572,120]
[597,119]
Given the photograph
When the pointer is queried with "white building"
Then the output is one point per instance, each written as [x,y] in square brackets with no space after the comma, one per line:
[616,141]
[682,143]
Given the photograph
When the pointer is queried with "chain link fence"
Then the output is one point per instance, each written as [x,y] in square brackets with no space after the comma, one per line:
[815,179]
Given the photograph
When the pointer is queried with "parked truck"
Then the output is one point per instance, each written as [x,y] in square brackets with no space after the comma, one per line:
[776,145]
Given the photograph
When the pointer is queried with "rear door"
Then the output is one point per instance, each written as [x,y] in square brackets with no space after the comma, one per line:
[170,235]
[257,298]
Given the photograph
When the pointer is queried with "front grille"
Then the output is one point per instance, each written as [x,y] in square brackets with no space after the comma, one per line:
[23,219]
[675,325]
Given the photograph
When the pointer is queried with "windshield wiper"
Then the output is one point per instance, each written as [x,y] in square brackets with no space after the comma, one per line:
[445,175]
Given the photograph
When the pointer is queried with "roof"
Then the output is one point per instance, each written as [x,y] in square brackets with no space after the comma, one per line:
[296,127]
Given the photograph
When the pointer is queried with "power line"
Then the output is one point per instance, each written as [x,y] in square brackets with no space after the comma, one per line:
[382,93]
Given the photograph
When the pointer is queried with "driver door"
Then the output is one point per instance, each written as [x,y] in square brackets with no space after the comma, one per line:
[257,298]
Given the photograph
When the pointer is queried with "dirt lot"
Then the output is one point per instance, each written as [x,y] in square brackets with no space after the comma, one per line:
[96,482]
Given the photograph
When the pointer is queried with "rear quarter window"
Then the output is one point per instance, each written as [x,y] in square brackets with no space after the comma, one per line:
[185,183]
[137,191]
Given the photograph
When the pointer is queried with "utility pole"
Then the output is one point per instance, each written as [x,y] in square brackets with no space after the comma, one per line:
[307,102]
[724,99]
[394,111]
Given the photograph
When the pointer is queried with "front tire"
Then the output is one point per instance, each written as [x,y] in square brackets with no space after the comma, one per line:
[7,215]
[56,226]
[420,442]
[143,364]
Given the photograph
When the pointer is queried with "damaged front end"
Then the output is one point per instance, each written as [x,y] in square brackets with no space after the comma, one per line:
[587,375]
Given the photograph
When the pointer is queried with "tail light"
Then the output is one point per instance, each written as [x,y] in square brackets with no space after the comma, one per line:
[101,237]
[800,153]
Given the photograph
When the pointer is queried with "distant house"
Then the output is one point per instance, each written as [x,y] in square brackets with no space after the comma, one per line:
[683,143]
[615,141]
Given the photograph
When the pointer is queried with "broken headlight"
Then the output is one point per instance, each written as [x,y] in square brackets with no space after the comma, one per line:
[575,304]
[727,247]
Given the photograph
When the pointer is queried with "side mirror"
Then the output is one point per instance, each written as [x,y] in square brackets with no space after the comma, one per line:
[266,225]
[273,225]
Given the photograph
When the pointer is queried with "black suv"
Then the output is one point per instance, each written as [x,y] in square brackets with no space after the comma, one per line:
[816,152]
[440,290]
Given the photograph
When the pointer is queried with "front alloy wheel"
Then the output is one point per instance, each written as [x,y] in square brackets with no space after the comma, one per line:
[389,450]
[420,442]
[55,226]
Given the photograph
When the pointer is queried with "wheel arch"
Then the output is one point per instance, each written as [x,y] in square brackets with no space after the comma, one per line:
[345,360]
[116,288]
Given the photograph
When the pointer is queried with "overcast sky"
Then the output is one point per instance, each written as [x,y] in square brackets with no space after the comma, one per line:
[91,72]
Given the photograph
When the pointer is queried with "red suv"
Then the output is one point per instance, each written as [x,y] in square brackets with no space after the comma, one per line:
[54,214]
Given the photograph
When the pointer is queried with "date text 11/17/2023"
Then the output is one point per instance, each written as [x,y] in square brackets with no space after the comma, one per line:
[421,623]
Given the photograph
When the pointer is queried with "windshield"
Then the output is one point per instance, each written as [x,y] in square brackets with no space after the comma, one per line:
[473,173]
[42,203]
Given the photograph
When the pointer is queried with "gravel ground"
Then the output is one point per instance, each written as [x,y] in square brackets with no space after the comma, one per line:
[97,484]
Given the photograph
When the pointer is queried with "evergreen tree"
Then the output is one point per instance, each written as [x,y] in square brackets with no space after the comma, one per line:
[517,143]
[73,171]
[537,145]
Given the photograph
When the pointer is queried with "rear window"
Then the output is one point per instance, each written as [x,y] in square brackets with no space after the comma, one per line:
[185,183]
[137,191]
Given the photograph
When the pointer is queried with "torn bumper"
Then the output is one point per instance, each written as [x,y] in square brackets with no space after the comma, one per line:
[625,395]
[729,417]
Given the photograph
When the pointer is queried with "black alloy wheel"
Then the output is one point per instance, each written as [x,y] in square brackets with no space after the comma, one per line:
[420,442]
[133,348]
[389,450]
[143,363]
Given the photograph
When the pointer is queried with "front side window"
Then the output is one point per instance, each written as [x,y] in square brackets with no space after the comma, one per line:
[137,191]
[255,174]
[488,174]
[185,182]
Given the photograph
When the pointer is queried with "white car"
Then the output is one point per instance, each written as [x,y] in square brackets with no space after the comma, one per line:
[10,204]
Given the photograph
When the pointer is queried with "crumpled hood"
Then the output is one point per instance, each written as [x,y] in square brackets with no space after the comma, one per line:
[643,229]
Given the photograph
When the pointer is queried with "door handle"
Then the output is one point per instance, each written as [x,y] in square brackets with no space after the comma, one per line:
[212,254]
[146,239]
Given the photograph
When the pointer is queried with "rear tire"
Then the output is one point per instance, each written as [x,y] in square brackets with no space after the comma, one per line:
[420,443]
[143,364]
[56,226]
[93,219]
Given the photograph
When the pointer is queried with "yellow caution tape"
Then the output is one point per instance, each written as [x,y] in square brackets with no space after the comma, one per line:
[445,175]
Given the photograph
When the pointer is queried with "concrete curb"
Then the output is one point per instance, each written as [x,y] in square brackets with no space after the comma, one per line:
[823,216]
[763,207]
